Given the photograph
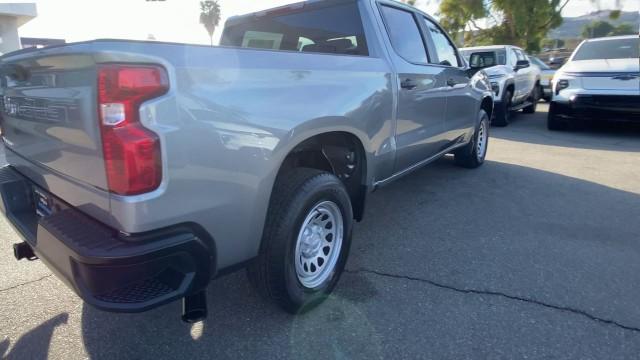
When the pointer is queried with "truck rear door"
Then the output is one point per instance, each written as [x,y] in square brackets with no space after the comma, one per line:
[422,88]
[461,104]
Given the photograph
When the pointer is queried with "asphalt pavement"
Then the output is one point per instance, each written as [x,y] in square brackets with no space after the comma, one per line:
[535,255]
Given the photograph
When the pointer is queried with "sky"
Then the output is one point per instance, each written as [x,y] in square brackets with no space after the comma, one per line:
[177,20]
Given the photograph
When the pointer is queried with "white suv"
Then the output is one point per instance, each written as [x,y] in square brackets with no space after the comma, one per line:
[515,82]
[601,81]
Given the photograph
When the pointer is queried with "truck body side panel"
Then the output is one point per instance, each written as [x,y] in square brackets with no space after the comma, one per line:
[230,118]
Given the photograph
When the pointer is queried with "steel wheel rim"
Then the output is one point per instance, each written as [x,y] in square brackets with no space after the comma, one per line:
[483,138]
[319,244]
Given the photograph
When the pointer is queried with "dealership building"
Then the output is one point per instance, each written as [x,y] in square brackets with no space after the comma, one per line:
[12,16]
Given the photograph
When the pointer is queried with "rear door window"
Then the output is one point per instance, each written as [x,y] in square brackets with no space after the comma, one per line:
[445,50]
[404,34]
[317,28]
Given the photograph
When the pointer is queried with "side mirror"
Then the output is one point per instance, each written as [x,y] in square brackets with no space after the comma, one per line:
[522,64]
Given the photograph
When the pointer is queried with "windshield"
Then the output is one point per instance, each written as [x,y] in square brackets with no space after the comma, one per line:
[537,62]
[485,58]
[609,49]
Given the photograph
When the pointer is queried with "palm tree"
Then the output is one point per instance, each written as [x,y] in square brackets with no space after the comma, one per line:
[210,16]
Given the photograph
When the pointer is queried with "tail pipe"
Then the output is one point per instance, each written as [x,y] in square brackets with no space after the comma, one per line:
[194,307]
[24,251]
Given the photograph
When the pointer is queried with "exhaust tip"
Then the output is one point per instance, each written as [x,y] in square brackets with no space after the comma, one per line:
[194,316]
[194,308]
[23,251]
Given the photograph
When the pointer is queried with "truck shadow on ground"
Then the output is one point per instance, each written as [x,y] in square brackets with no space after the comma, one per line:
[35,343]
[242,325]
[593,135]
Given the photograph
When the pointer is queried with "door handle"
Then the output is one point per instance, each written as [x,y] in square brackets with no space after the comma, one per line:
[451,83]
[408,84]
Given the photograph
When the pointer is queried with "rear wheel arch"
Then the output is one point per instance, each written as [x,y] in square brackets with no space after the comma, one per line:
[509,86]
[340,153]
[487,105]
[537,87]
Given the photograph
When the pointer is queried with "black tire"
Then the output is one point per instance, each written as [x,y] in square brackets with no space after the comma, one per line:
[553,122]
[468,156]
[503,115]
[533,98]
[273,273]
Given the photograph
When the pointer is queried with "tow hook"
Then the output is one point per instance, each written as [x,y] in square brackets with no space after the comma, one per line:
[24,251]
[194,307]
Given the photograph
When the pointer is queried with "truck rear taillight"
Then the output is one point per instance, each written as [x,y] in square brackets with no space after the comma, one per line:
[131,151]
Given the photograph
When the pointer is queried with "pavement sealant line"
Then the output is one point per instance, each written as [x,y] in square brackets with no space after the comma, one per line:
[26,283]
[495,293]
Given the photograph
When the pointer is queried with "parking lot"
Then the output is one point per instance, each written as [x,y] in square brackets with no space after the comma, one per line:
[534,255]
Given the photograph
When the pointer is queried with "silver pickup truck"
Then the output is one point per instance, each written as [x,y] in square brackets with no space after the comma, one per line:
[139,171]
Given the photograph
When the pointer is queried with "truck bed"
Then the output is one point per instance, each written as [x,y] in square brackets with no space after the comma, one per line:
[229,117]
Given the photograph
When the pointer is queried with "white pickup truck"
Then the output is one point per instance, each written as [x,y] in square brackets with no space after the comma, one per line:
[515,82]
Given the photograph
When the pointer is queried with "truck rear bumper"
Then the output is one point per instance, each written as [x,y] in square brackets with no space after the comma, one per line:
[106,269]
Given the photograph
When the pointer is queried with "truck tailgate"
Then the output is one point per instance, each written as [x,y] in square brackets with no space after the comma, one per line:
[49,115]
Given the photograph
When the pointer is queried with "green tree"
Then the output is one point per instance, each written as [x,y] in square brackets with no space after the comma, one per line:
[615,14]
[210,16]
[520,22]
[597,29]
[459,13]
[410,2]
[623,29]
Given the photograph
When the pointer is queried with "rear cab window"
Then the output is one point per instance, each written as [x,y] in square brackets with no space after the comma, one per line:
[313,28]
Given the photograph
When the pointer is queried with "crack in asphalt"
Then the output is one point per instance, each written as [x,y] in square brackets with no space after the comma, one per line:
[496,293]
[26,283]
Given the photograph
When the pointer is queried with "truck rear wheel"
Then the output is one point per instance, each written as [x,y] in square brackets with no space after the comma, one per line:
[306,240]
